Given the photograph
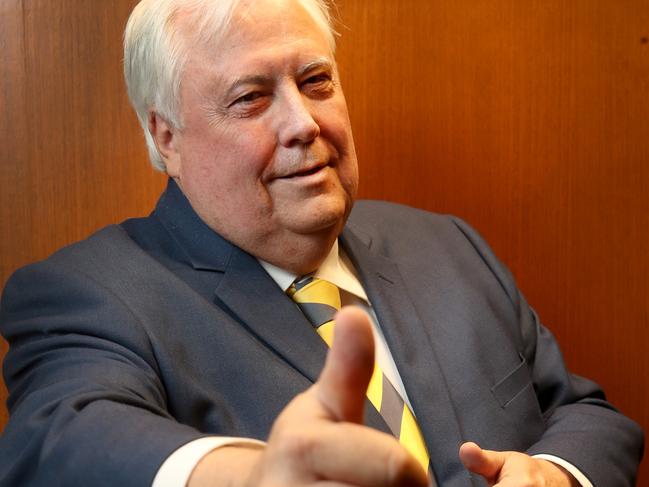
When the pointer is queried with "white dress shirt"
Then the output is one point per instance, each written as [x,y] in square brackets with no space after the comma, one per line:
[337,269]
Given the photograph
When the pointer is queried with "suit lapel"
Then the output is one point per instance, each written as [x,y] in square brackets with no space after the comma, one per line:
[413,354]
[241,286]
[261,306]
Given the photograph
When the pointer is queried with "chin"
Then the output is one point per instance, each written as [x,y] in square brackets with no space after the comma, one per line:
[322,218]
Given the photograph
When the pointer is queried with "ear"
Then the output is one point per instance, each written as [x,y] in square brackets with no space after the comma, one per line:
[166,137]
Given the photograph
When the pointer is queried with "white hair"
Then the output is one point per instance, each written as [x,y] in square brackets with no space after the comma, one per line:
[155,52]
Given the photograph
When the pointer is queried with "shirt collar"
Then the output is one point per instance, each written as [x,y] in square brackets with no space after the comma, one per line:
[336,268]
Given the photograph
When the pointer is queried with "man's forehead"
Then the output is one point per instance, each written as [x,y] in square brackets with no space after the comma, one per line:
[299,67]
[211,23]
[229,63]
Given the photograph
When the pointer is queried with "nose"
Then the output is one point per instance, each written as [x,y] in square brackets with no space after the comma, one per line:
[298,125]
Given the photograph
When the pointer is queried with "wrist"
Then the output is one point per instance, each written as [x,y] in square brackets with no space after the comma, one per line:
[230,466]
[563,477]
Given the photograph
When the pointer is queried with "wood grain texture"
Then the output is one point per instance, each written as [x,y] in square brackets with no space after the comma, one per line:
[77,160]
[528,119]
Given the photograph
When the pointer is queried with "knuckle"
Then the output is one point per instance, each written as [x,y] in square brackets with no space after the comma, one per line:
[531,480]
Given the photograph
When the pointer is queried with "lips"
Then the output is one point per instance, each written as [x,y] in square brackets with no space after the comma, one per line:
[306,172]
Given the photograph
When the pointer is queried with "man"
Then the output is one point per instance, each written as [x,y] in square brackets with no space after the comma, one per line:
[159,352]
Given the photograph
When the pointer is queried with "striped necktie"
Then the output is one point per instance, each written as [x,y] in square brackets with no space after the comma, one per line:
[319,300]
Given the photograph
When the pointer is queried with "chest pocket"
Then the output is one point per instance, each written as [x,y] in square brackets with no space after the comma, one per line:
[513,384]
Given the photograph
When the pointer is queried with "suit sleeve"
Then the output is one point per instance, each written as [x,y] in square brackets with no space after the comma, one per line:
[581,426]
[86,402]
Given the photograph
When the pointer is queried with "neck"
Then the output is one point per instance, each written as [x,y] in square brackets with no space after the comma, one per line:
[300,255]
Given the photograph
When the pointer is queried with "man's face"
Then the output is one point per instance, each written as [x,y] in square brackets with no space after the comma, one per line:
[266,155]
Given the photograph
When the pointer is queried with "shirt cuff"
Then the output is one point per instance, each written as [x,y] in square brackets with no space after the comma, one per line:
[178,466]
[576,473]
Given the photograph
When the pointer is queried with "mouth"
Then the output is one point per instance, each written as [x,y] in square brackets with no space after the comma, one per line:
[306,172]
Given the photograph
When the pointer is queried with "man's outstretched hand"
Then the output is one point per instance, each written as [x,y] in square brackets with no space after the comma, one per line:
[514,469]
[319,437]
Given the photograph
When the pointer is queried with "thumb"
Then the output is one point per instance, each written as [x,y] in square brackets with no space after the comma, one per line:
[347,371]
[487,463]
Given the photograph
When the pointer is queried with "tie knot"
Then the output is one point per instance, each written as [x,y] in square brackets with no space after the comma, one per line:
[318,299]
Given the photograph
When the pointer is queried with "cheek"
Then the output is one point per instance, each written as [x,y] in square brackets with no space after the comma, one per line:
[335,126]
[337,129]
[233,157]
[348,175]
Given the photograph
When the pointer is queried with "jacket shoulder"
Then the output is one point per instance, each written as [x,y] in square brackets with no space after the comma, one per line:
[406,234]
[401,225]
[108,255]
[370,211]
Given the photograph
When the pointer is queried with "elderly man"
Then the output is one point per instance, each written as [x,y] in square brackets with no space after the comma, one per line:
[161,351]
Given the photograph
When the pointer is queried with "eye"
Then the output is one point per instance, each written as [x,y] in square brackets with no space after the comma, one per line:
[320,85]
[248,98]
[321,78]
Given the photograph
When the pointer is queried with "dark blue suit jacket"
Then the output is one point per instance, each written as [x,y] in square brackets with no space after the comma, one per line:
[156,332]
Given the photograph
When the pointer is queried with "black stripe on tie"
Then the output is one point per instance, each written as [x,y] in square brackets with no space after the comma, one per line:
[318,313]
[303,281]
[391,407]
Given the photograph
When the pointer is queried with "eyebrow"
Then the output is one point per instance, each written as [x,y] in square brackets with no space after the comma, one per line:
[258,79]
[322,62]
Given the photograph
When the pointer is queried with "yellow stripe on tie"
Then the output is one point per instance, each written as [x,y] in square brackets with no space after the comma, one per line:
[375,388]
[326,332]
[411,438]
[319,291]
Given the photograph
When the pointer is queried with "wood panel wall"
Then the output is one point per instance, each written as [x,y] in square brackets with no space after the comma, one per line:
[528,119]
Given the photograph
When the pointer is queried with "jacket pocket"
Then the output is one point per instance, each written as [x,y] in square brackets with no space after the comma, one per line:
[506,390]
